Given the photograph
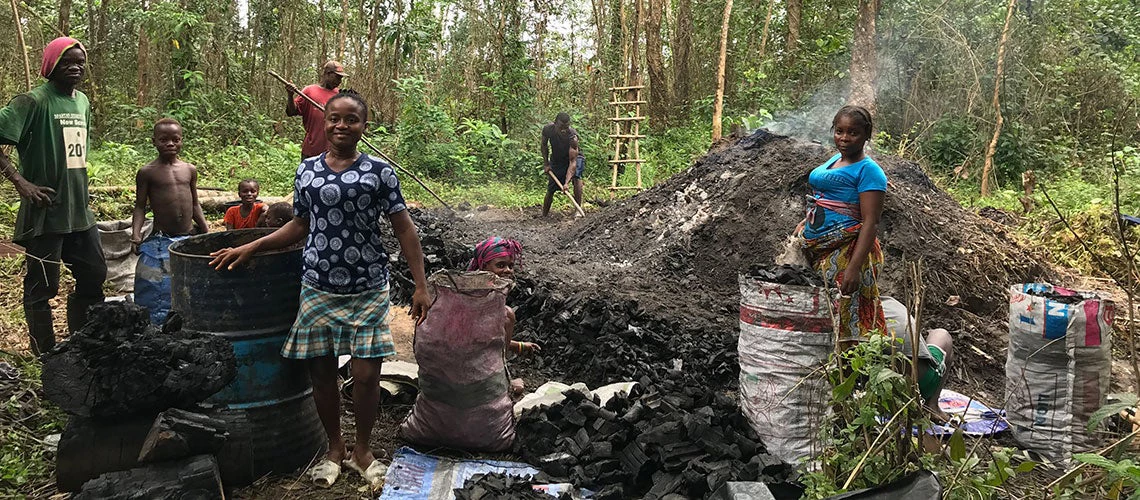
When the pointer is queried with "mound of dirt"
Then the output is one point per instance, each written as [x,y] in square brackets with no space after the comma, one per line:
[678,248]
[735,207]
[650,283]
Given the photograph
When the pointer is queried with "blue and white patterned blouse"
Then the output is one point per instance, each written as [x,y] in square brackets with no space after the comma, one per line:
[343,252]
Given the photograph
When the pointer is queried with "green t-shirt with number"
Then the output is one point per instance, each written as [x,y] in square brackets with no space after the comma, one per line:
[49,130]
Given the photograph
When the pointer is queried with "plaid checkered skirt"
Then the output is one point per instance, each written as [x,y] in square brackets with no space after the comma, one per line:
[332,324]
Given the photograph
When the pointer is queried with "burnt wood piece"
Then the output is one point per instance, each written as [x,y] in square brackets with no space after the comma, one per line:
[194,478]
[180,433]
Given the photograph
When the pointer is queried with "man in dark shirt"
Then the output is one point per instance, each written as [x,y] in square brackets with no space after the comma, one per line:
[559,151]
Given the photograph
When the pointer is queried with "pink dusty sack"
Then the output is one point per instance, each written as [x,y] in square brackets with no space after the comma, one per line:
[463,400]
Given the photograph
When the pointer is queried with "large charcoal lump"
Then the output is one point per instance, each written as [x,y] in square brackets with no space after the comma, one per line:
[120,364]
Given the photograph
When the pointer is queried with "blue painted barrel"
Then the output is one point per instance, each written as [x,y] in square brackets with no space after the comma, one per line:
[273,423]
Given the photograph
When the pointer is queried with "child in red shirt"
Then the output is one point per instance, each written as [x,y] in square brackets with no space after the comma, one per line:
[245,215]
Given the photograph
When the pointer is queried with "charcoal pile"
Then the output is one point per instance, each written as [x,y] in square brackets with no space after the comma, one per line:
[1055,296]
[120,364]
[785,275]
[600,340]
[443,249]
[498,486]
[670,437]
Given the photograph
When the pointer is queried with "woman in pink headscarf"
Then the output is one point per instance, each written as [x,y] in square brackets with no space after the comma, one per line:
[500,256]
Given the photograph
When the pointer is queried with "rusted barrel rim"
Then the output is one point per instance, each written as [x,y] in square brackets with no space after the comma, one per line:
[174,249]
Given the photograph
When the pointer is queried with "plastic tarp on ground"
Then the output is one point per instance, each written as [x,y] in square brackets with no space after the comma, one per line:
[975,418]
[415,476]
[1058,367]
[918,485]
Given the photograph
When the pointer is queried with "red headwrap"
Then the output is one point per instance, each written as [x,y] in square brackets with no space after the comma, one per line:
[493,248]
[55,50]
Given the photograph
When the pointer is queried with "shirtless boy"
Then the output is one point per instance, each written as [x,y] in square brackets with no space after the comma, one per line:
[170,187]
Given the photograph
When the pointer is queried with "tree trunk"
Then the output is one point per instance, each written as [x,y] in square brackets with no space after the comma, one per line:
[373,24]
[660,98]
[64,15]
[23,46]
[682,52]
[992,148]
[793,11]
[864,66]
[343,30]
[613,59]
[719,106]
[539,63]
[764,33]
[635,46]
[323,56]
[142,63]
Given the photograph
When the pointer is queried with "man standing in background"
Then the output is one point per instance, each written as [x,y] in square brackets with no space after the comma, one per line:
[560,152]
[311,117]
[49,128]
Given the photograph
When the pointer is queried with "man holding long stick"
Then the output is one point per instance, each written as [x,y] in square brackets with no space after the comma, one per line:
[311,117]
[560,151]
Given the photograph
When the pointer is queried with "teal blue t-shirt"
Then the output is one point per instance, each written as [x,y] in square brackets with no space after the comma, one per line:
[841,184]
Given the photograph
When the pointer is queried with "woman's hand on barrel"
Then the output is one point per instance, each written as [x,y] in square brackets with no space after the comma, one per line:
[420,305]
[229,258]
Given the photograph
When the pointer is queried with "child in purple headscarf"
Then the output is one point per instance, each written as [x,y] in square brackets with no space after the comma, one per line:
[499,256]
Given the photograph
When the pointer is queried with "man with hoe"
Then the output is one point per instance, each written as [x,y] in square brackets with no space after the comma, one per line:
[48,126]
[311,117]
[560,152]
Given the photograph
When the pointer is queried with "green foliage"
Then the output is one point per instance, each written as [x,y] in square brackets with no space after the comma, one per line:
[426,137]
[854,440]
[951,141]
[25,460]
[975,478]
[1122,401]
[867,434]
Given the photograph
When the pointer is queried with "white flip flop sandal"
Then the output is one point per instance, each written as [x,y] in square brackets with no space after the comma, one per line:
[374,474]
[324,474]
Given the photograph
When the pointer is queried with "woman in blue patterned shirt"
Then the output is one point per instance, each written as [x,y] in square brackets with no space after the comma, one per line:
[339,198]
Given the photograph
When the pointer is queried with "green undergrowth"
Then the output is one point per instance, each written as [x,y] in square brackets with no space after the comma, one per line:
[26,420]
[1088,205]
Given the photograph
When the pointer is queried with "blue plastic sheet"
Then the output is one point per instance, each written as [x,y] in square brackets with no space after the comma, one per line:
[415,476]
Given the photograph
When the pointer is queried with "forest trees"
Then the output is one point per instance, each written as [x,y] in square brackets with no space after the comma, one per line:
[929,67]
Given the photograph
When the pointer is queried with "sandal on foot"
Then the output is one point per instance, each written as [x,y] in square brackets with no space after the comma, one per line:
[324,474]
[374,474]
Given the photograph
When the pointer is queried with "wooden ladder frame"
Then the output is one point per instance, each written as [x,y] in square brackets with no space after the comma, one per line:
[628,137]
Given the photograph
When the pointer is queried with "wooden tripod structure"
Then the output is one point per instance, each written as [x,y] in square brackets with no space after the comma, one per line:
[627,132]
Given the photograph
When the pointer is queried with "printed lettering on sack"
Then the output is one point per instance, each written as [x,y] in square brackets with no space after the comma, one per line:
[1044,403]
[1056,319]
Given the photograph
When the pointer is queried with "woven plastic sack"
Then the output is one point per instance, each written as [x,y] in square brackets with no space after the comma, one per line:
[786,334]
[1058,367]
[463,401]
[115,238]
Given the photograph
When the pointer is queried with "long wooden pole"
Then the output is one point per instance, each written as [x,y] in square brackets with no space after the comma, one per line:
[23,48]
[999,119]
[719,106]
[568,195]
[366,142]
